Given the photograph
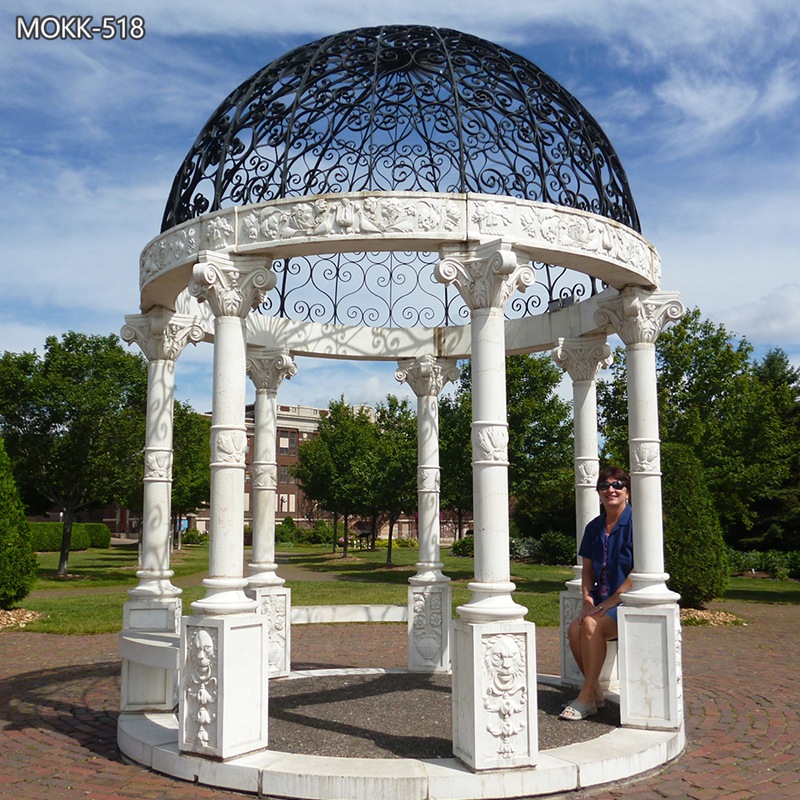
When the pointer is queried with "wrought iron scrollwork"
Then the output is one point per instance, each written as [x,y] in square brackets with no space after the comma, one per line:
[398,290]
[401,108]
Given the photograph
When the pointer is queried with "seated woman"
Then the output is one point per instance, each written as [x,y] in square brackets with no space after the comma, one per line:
[607,552]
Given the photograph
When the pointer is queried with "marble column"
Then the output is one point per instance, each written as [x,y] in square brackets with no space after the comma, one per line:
[429,595]
[267,370]
[493,652]
[154,605]
[649,619]
[224,647]
[581,359]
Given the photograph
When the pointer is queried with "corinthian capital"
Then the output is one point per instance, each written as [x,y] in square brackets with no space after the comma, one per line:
[268,368]
[160,333]
[639,315]
[582,358]
[487,275]
[426,375]
[232,285]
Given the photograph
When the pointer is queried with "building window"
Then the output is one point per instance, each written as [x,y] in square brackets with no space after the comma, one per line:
[284,473]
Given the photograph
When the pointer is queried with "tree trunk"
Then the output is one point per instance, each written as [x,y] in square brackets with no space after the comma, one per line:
[389,545]
[344,540]
[66,540]
[335,530]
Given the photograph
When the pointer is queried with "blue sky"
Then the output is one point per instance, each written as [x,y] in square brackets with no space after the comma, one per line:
[700,100]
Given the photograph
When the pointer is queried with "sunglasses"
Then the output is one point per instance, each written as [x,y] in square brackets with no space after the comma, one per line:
[603,485]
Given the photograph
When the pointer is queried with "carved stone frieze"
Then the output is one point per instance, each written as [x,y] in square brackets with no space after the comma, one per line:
[506,691]
[268,369]
[487,276]
[582,358]
[440,219]
[202,676]
[231,286]
[158,465]
[160,333]
[174,247]
[228,446]
[490,442]
[638,316]
[427,375]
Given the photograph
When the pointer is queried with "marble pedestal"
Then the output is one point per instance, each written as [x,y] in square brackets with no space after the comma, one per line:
[224,694]
[151,683]
[651,685]
[494,695]
[429,627]
[275,603]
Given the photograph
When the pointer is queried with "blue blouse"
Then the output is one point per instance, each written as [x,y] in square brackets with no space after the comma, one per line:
[614,551]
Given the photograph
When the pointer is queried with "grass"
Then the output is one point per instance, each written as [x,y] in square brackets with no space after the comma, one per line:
[103,576]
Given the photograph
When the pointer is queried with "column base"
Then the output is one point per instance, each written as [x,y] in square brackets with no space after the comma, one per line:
[494,695]
[155,584]
[275,603]
[651,683]
[224,685]
[152,614]
[263,575]
[649,589]
[429,618]
[224,596]
[491,602]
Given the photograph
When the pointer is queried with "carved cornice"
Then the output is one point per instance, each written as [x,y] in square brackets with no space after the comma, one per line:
[638,316]
[228,447]
[417,220]
[427,375]
[428,479]
[157,465]
[587,471]
[160,333]
[267,369]
[265,475]
[232,286]
[487,276]
[582,358]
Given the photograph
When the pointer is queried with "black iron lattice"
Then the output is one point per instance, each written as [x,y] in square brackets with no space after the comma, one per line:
[401,108]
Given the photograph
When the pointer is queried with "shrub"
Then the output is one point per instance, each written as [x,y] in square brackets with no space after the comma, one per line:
[18,562]
[99,534]
[463,548]
[46,537]
[191,536]
[321,533]
[552,547]
[695,554]
[412,543]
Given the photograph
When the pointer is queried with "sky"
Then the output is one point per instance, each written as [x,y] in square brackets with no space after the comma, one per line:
[701,101]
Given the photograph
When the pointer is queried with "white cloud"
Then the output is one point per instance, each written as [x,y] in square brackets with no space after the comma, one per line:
[770,318]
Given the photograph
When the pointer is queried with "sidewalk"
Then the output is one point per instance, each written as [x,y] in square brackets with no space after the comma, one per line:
[59,697]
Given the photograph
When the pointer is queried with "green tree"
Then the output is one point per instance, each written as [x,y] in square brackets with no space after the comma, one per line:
[395,462]
[695,555]
[711,400]
[539,448]
[18,562]
[73,422]
[455,455]
[334,467]
[191,469]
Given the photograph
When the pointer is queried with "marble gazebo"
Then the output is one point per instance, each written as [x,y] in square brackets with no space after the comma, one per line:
[420,196]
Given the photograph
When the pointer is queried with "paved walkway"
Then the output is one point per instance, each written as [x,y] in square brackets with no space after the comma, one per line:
[59,697]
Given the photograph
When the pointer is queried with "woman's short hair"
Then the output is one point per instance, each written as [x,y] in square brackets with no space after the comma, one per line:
[611,474]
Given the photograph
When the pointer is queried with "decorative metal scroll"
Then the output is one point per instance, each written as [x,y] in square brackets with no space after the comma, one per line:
[401,108]
[399,290]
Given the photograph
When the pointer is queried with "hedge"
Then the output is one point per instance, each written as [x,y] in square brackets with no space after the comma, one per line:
[46,536]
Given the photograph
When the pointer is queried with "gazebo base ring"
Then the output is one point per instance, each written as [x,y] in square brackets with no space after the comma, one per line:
[151,739]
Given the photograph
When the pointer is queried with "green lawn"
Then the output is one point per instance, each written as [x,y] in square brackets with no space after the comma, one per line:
[91,599]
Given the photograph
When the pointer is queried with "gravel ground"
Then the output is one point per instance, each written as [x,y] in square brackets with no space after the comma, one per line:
[373,716]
